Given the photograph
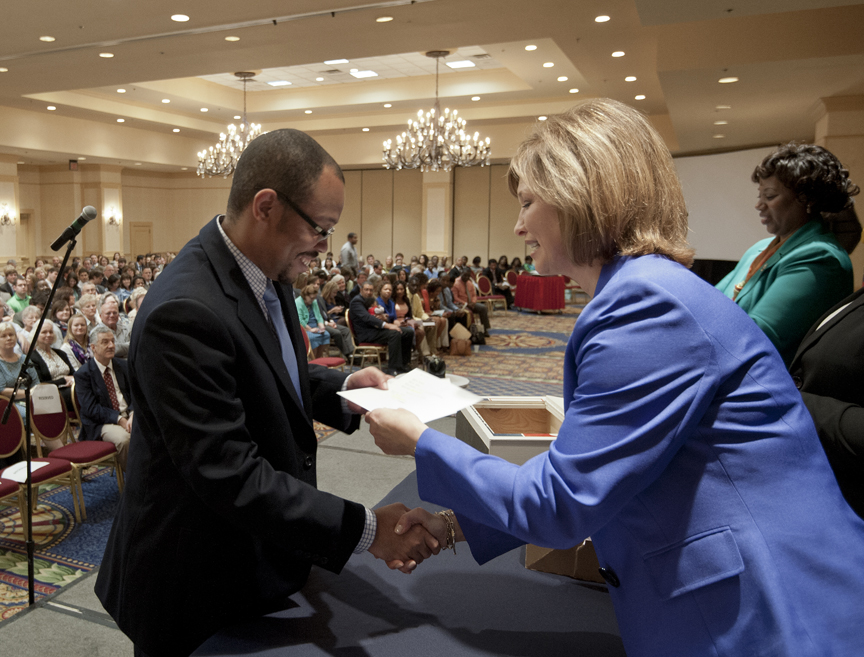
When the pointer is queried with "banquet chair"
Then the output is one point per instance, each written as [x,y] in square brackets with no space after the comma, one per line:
[486,295]
[9,491]
[57,471]
[74,412]
[80,455]
[364,349]
[512,278]
[576,291]
[326,361]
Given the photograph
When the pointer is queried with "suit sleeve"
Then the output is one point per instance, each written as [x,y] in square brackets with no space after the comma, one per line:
[203,425]
[623,426]
[840,426]
[88,398]
[788,307]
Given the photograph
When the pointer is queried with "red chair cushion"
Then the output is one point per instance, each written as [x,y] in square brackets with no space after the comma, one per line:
[328,361]
[8,487]
[50,425]
[84,452]
[55,467]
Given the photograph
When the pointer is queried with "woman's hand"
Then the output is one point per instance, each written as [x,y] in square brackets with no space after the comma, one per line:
[396,432]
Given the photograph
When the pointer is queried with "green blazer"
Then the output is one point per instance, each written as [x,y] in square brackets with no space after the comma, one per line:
[303,312]
[809,274]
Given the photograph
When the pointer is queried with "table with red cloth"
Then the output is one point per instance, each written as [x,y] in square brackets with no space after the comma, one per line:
[539,292]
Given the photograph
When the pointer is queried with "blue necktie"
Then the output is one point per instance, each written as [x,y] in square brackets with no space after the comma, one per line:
[278,319]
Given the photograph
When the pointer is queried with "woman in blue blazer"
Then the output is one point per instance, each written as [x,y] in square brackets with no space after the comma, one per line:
[787,281]
[686,451]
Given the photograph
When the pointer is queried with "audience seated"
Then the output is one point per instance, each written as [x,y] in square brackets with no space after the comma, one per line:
[102,387]
[499,282]
[51,364]
[109,315]
[464,296]
[371,329]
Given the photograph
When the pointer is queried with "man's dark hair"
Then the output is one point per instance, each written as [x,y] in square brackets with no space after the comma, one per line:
[139,258]
[40,298]
[476,261]
[465,276]
[493,261]
[348,272]
[288,161]
[350,235]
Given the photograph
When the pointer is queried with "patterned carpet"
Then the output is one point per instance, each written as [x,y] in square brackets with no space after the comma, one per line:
[523,356]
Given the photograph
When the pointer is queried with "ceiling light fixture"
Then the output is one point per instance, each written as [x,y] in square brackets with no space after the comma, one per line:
[436,141]
[121,120]
[334,62]
[82,158]
[719,136]
[465,63]
[279,83]
[221,160]
[237,117]
[640,97]
[475,98]
[728,80]
[541,118]
[721,122]
[383,19]
[121,91]
[47,39]
[51,108]
[601,19]
[630,78]
[618,53]
[4,70]
[184,168]
[723,107]
[5,218]
[532,47]
[166,100]
[387,105]
[363,74]
[111,216]
[307,112]
[574,91]
[232,38]
[562,78]
[204,109]
[106,55]
[548,64]
[319,79]
[179,18]
[176,130]
[365,129]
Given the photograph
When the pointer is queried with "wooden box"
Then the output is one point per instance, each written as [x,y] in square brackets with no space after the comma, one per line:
[514,428]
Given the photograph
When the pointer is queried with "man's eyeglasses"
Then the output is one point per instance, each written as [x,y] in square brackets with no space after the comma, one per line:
[322,232]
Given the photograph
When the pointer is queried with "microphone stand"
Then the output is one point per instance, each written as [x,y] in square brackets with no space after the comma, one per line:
[25,380]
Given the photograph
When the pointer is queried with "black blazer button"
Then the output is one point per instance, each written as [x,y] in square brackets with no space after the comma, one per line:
[307,463]
[609,575]
[797,381]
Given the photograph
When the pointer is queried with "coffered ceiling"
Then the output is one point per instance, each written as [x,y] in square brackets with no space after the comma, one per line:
[786,54]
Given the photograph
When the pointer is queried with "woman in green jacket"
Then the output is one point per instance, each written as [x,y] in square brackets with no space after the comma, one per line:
[311,321]
[786,282]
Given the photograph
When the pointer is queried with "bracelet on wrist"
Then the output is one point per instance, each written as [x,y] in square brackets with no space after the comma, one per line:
[450,519]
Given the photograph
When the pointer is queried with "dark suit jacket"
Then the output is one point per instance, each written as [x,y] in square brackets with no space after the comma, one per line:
[96,409]
[828,370]
[220,518]
[364,325]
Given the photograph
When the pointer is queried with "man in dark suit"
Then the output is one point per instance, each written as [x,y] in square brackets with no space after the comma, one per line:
[222,476]
[369,328]
[106,413]
[499,281]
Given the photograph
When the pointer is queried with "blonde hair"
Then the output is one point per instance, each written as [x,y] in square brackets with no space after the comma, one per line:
[87,298]
[86,341]
[612,180]
[5,327]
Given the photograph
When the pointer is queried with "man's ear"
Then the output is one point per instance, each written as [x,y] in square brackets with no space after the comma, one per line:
[264,204]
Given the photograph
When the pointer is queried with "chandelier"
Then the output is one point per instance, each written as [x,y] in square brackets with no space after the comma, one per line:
[436,141]
[221,159]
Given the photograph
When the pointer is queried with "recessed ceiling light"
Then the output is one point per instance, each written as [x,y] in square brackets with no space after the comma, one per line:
[82,158]
[51,108]
[106,55]
[319,79]
[574,91]
[279,83]
[387,105]
[548,64]
[184,168]
[383,19]
[475,97]
[722,107]
[333,62]
[121,120]
[719,136]
[562,78]
[204,109]
[727,80]
[47,39]
[166,100]
[179,18]
[465,63]
[640,97]
[532,47]
[237,117]
[630,78]
[121,91]
[137,164]
[721,122]
[4,70]
[618,53]
[232,38]
[601,19]
[363,74]
[307,112]
[541,118]
[22,161]
[176,130]
[365,129]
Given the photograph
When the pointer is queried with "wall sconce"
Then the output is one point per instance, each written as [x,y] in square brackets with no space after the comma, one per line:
[5,218]
[112,217]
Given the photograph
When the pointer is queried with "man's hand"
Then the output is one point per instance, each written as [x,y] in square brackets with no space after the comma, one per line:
[368,377]
[124,424]
[391,327]
[405,550]
[396,432]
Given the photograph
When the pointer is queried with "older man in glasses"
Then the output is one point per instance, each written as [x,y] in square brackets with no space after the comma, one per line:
[223,468]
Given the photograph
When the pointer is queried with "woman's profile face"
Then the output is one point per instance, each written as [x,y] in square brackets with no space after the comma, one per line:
[779,210]
[538,226]
[341,285]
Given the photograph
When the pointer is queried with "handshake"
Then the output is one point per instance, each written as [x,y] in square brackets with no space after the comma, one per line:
[404,538]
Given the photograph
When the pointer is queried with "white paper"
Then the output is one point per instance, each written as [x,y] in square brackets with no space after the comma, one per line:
[46,399]
[427,396]
[18,472]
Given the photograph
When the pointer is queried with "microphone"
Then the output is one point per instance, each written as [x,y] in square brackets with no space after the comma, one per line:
[87,214]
